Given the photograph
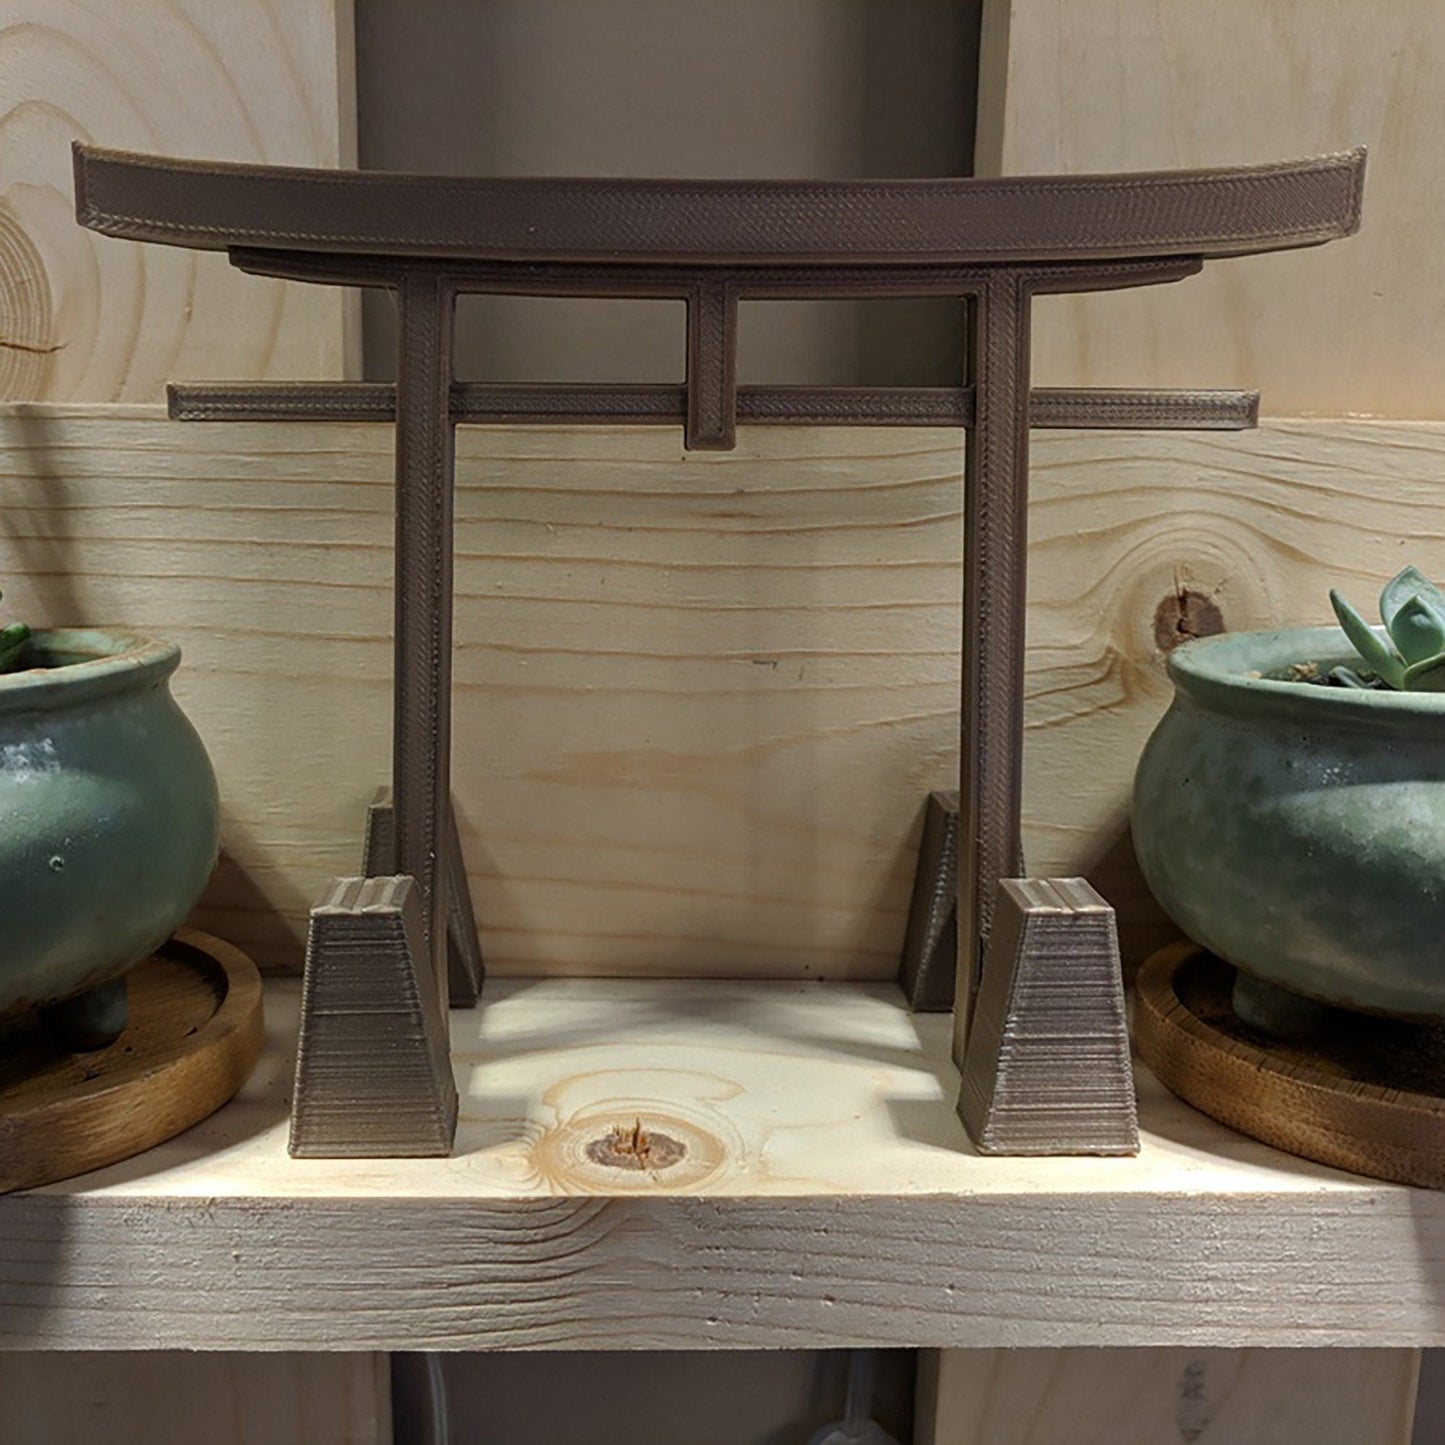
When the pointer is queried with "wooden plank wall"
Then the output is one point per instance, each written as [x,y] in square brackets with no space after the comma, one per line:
[84,317]
[1350,329]
[699,700]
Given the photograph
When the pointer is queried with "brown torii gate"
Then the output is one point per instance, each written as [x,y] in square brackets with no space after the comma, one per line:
[994,243]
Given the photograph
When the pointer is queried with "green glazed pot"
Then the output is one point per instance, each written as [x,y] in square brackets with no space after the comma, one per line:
[1298,831]
[108,813]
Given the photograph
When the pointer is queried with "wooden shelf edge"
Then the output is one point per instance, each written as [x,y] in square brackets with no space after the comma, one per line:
[832,1200]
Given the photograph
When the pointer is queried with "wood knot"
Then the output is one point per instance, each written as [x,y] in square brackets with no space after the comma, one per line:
[26,347]
[1183,615]
[636,1148]
[620,1142]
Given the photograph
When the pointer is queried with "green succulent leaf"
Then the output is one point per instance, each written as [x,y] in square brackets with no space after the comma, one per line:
[1410,584]
[1418,633]
[1426,676]
[1379,658]
[12,644]
[1348,677]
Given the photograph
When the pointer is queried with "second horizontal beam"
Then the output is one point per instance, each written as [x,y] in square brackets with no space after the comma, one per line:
[756,405]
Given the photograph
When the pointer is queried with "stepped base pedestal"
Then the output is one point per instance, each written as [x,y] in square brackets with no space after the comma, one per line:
[1047,1068]
[373,1067]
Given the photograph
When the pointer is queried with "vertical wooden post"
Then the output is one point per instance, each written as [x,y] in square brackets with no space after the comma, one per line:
[421,741]
[995,544]
[712,343]
[374,1080]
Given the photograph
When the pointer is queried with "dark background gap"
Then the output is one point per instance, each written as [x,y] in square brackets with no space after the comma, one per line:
[829,89]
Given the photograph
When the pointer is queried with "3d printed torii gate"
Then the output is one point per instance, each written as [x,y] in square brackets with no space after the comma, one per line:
[995,243]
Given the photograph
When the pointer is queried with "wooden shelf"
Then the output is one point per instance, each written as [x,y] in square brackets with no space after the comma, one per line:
[826,1196]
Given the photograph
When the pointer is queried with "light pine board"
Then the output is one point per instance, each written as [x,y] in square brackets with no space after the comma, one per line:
[1167,1397]
[827,1197]
[700,700]
[1115,85]
[87,318]
[139,1398]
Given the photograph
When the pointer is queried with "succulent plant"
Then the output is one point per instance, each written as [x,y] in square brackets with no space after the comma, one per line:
[12,644]
[1413,611]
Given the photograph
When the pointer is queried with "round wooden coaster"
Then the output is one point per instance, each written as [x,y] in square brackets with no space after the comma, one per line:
[193,1037]
[1364,1093]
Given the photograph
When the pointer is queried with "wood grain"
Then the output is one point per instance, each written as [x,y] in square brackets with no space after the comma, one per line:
[87,318]
[1114,85]
[1147,1397]
[700,700]
[825,1194]
[173,1398]
[193,1035]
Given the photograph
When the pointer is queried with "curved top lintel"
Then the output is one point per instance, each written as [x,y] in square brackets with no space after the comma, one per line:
[1020,219]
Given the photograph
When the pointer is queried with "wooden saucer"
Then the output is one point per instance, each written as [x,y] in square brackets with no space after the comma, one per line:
[1364,1093]
[194,1036]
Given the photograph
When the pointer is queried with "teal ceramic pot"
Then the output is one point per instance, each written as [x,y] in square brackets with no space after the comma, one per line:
[108,813]
[1298,831]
